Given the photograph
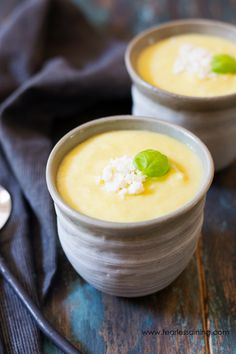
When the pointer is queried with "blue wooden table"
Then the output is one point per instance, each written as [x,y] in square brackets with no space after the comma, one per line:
[201,301]
[197,313]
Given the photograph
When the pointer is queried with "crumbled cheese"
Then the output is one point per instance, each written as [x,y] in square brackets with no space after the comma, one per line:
[120,176]
[194,61]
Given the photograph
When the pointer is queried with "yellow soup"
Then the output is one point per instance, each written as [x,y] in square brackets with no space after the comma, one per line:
[78,172]
[182,65]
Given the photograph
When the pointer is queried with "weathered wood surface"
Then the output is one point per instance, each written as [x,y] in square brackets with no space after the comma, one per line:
[99,323]
[127,17]
[219,261]
[203,297]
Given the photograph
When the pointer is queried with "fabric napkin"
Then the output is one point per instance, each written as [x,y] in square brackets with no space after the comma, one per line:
[56,71]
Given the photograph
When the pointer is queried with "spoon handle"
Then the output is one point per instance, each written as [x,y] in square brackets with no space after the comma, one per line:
[61,342]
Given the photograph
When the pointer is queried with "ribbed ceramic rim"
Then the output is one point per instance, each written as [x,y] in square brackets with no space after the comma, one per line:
[133,73]
[129,225]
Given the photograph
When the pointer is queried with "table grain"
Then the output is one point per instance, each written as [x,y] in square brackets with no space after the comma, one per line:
[203,298]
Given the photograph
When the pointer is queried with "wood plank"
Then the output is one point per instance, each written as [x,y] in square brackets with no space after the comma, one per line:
[99,323]
[219,261]
[203,297]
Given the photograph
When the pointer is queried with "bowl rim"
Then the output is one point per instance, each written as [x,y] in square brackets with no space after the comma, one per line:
[160,91]
[103,224]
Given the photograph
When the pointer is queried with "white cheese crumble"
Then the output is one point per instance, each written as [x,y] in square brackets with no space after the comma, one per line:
[194,61]
[120,176]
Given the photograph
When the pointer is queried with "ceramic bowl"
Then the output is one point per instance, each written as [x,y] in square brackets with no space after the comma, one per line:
[213,119]
[129,259]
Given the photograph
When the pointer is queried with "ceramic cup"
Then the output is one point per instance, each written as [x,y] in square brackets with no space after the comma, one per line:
[213,119]
[129,259]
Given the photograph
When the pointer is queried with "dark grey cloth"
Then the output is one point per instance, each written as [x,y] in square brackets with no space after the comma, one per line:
[56,71]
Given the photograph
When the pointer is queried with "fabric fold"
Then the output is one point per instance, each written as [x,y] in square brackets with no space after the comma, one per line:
[56,71]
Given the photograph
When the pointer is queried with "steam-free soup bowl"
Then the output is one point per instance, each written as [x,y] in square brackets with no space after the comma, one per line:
[129,259]
[213,119]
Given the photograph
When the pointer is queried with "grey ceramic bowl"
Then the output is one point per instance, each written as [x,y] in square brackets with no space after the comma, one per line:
[129,259]
[213,119]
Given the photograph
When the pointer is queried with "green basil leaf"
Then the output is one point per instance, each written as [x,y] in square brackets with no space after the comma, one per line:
[152,163]
[223,64]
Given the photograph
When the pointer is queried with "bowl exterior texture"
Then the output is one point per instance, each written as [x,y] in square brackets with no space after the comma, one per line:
[131,264]
[129,259]
[212,119]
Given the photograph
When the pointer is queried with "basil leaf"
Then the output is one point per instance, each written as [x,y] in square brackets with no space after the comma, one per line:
[223,64]
[152,163]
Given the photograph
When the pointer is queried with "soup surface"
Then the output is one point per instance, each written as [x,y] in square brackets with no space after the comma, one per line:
[80,186]
[182,65]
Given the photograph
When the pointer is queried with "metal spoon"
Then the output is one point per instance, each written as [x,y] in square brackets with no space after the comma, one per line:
[43,324]
[5,206]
